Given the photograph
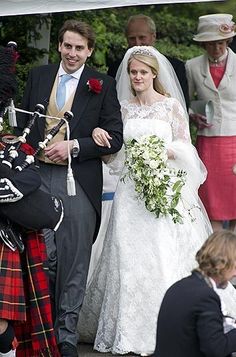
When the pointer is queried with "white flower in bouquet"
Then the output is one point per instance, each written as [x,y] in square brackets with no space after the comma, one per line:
[155,181]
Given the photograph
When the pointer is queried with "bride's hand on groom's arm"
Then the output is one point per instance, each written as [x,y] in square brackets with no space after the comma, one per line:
[101,137]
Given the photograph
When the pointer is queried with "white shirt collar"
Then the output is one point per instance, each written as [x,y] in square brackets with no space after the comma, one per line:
[75,75]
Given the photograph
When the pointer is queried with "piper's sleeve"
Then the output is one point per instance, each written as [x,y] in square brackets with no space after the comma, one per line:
[8,191]
[15,185]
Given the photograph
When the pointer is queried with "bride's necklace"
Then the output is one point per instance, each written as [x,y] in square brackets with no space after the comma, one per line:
[218,61]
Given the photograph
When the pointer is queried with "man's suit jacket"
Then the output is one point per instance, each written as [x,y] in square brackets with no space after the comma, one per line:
[232,45]
[90,110]
[190,322]
[180,71]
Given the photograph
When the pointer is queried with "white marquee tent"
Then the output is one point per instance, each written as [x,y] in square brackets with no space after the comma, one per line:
[24,7]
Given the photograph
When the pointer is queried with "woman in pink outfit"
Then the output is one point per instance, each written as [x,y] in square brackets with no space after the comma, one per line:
[212,77]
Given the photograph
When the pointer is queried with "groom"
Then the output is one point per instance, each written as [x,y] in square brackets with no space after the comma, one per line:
[92,98]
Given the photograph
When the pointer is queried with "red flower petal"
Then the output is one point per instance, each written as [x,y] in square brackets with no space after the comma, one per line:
[27,149]
[95,85]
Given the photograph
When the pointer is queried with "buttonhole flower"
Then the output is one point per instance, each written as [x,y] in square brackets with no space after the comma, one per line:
[95,85]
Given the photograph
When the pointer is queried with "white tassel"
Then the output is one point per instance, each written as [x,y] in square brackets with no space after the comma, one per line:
[12,115]
[70,183]
[71,190]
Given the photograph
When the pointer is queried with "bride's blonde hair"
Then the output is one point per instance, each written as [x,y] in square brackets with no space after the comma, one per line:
[153,64]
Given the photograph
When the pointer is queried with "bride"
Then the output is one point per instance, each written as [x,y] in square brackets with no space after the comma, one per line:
[143,255]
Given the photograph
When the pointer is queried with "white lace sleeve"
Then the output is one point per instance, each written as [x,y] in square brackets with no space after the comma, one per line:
[124,111]
[180,124]
[191,85]
[186,156]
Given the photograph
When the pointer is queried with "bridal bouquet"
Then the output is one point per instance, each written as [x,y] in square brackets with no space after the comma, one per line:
[155,181]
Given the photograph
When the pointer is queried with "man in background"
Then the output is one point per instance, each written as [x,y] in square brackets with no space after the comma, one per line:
[232,45]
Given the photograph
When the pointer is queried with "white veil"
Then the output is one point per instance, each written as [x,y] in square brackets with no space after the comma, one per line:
[166,76]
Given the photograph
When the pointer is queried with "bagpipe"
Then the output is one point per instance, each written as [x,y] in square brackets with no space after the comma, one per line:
[33,210]
[23,205]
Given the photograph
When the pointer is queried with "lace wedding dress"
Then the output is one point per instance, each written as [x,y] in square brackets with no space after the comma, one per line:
[142,255]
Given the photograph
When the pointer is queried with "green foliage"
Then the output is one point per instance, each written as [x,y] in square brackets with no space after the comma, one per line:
[22,74]
[6,127]
[24,30]
[181,51]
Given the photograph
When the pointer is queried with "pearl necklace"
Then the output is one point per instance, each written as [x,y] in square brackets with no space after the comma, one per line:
[218,61]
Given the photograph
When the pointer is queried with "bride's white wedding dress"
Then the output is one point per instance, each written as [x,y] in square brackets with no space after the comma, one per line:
[142,255]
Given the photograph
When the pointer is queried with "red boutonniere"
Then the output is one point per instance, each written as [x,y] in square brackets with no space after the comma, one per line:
[95,85]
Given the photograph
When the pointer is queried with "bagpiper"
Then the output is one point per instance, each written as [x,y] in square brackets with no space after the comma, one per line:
[26,328]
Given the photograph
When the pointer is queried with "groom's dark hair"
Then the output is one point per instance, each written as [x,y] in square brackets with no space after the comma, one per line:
[79,27]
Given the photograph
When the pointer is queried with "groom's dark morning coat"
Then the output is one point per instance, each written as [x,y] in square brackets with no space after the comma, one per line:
[90,110]
[190,322]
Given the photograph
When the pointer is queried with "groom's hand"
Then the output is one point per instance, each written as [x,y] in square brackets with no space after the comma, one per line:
[58,151]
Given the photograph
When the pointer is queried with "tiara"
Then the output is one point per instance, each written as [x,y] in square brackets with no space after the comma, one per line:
[142,51]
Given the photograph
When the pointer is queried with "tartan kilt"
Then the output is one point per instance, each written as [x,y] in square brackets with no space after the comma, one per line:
[12,295]
[25,299]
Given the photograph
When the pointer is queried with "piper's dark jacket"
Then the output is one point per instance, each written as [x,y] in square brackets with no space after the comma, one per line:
[90,110]
[190,322]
